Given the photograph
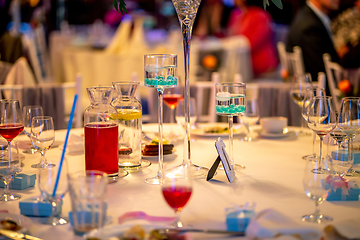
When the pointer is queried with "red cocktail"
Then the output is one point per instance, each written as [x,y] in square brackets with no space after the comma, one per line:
[10,130]
[172,100]
[177,196]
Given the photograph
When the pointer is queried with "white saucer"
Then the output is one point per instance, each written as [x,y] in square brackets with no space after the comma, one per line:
[263,134]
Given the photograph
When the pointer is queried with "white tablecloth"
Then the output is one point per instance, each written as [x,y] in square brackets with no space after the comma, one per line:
[272,179]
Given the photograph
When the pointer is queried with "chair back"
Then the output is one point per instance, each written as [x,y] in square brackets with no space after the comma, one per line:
[291,61]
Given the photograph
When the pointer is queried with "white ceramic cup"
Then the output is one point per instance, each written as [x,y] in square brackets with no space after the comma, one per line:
[273,124]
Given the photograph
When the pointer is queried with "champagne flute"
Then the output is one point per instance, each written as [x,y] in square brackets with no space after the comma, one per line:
[177,190]
[172,97]
[349,123]
[180,112]
[250,117]
[28,113]
[42,137]
[322,120]
[230,101]
[297,92]
[186,11]
[317,187]
[47,179]
[11,124]
[160,73]
[8,169]
[309,94]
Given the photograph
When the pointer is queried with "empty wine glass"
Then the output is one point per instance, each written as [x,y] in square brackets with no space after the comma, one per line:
[42,137]
[349,123]
[322,120]
[309,94]
[28,113]
[250,118]
[48,177]
[297,92]
[317,187]
[8,169]
[177,190]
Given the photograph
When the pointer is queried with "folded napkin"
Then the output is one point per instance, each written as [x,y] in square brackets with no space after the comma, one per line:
[270,223]
[75,145]
[349,229]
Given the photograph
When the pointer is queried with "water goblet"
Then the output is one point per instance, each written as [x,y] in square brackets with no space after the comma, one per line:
[349,123]
[42,137]
[177,190]
[297,92]
[309,94]
[11,124]
[230,102]
[28,113]
[49,179]
[9,167]
[322,120]
[317,187]
[160,73]
[172,97]
[250,118]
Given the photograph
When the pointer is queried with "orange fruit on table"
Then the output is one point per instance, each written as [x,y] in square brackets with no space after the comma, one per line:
[345,86]
[210,62]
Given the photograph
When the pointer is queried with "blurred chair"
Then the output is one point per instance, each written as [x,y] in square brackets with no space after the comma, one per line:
[333,74]
[291,61]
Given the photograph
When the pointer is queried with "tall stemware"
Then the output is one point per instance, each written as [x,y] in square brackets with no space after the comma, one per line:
[322,120]
[28,113]
[309,94]
[42,137]
[297,92]
[230,102]
[186,11]
[160,73]
[11,124]
[349,123]
[172,97]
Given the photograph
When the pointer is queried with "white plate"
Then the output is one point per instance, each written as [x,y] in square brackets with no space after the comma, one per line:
[166,157]
[21,220]
[275,135]
[200,130]
[118,230]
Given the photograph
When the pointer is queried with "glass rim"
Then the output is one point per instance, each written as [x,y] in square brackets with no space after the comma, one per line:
[351,98]
[97,174]
[9,100]
[126,82]
[155,55]
[325,97]
[315,87]
[100,87]
[42,117]
[231,84]
[32,106]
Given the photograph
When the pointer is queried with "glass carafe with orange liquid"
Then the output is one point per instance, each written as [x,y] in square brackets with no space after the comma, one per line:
[101,132]
[129,112]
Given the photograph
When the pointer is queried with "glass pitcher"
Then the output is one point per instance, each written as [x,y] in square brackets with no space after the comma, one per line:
[129,111]
[101,132]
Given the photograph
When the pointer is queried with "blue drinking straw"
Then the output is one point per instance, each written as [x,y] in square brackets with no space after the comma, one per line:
[65,144]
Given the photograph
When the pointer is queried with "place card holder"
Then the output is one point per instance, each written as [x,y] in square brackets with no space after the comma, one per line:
[226,162]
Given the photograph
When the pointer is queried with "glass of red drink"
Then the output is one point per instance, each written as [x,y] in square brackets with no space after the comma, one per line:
[101,133]
[11,126]
[172,97]
[177,190]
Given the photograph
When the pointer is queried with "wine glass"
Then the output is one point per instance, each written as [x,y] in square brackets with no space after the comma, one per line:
[177,190]
[322,120]
[42,137]
[49,178]
[160,73]
[230,101]
[11,123]
[250,117]
[317,187]
[309,94]
[180,113]
[28,113]
[186,11]
[8,169]
[349,123]
[297,92]
[172,97]
[340,152]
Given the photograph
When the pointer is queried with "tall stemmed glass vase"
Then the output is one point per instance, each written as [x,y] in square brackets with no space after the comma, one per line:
[160,73]
[322,120]
[230,101]
[186,11]
[349,123]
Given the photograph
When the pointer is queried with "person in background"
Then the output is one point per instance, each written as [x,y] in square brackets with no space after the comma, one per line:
[311,31]
[252,21]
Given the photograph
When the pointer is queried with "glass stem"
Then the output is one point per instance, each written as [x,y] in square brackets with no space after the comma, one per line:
[9,146]
[350,153]
[6,181]
[186,28]
[172,119]
[177,221]
[314,140]
[321,154]
[317,209]
[160,121]
[42,159]
[231,139]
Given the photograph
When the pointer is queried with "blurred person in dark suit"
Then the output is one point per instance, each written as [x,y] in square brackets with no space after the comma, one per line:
[311,31]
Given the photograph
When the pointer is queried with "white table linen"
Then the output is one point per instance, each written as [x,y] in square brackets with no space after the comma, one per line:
[272,179]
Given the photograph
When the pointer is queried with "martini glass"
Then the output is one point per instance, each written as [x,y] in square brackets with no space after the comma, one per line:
[230,102]
[186,11]
[160,73]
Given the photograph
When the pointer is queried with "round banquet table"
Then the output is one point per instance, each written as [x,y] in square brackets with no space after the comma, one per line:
[272,179]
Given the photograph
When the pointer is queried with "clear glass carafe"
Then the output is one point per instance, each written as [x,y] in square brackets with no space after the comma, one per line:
[129,112]
[101,132]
